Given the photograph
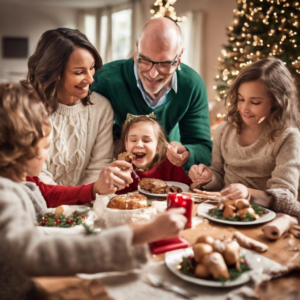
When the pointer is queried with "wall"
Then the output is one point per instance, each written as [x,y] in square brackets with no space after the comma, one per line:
[30,21]
[218,15]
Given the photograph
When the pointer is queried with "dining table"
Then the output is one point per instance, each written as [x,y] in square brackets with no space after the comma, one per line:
[135,284]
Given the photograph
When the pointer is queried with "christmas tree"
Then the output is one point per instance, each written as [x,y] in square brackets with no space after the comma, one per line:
[261,28]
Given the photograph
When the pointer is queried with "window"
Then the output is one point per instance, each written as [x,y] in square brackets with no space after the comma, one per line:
[121,34]
[103,35]
[90,27]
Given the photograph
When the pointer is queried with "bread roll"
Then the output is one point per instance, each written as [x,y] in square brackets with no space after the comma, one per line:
[216,265]
[200,250]
[201,271]
[205,239]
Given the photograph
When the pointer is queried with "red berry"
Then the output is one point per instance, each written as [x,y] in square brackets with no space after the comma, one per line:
[43,223]
[76,212]
[67,218]
[82,215]
[57,221]
[69,222]
[264,211]
[242,217]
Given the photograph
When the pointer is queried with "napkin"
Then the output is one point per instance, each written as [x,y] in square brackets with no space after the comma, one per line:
[69,288]
[249,243]
[281,224]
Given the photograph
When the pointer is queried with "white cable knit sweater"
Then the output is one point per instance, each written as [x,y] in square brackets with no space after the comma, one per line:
[82,142]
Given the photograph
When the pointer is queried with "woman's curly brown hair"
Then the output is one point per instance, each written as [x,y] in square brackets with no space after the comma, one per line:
[47,64]
[280,85]
[22,116]
[162,142]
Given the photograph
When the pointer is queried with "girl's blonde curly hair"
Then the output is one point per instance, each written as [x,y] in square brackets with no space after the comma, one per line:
[22,116]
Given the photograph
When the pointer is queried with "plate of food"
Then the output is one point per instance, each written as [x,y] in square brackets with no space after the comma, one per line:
[236,212]
[66,219]
[214,263]
[160,188]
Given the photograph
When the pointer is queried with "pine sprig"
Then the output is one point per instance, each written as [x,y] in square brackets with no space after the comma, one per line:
[49,219]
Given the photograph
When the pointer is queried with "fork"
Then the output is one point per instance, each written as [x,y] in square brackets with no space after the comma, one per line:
[135,175]
[155,281]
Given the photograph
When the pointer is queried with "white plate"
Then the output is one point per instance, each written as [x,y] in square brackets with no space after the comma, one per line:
[203,209]
[71,230]
[183,186]
[173,259]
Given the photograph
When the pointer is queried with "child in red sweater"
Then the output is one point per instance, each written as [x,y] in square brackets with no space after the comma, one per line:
[144,137]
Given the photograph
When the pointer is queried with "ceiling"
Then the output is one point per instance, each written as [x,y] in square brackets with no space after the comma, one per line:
[65,3]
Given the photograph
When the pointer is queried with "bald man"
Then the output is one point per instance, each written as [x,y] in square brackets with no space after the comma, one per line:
[155,80]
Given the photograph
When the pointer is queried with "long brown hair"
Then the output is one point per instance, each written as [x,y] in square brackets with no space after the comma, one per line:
[281,87]
[47,64]
[162,142]
[22,116]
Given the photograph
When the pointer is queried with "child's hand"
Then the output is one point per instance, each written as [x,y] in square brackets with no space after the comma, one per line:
[165,226]
[112,178]
[177,154]
[235,191]
[200,174]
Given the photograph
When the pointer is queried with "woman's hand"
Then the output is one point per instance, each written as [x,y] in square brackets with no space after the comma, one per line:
[112,178]
[165,226]
[200,174]
[177,154]
[235,191]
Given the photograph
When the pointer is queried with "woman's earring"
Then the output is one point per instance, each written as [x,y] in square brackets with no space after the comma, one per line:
[178,68]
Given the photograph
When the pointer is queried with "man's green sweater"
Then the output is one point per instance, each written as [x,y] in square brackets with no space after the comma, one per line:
[184,115]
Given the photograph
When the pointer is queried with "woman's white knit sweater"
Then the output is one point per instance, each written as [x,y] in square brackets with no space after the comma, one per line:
[82,142]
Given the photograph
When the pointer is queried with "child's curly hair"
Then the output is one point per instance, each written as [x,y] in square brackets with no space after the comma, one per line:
[162,142]
[22,116]
[280,84]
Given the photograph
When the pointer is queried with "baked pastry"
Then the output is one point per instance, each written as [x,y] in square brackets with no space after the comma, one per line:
[133,201]
[129,157]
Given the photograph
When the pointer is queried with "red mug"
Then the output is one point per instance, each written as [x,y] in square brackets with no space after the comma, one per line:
[179,200]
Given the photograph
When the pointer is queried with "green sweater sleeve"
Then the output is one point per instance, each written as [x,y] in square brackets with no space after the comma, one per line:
[195,127]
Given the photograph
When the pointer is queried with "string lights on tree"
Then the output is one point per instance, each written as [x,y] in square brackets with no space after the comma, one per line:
[260,28]
[164,8]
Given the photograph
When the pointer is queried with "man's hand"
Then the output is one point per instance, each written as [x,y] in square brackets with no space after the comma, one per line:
[112,178]
[200,174]
[235,191]
[177,154]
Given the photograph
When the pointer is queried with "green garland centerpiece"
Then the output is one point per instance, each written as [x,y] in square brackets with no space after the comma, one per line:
[50,220]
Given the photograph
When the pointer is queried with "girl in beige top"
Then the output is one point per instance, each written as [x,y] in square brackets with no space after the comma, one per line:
[256,152]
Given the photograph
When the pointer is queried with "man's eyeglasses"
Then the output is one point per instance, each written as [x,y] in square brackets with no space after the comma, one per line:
[162,67]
